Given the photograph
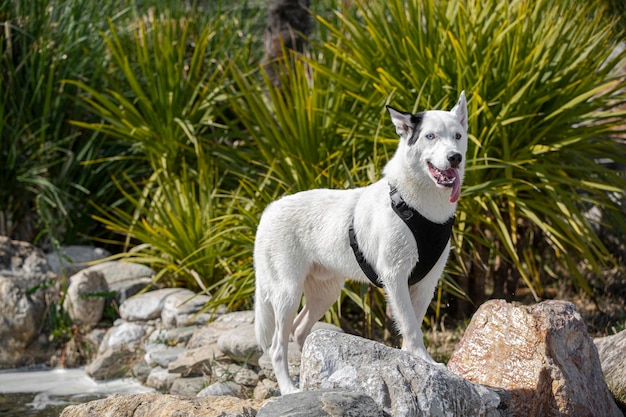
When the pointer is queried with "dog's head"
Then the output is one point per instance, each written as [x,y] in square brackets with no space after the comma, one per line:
[434,144]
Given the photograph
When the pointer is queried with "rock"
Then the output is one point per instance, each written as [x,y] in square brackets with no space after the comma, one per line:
[25,289]
[204,336]
[294,357]
[163,357]
[611,350]
[122,334]
[223,388]
[233,320]
[322,403]
[160,379]
[183,308]
[188,386]
[196,362]
[71,259]
[399,383]
[236,373]
[240,344]
[113,363]
[171,337]
[266,389]
[149,305]
[85,298]
[156,405]
[541,355]
[125,279]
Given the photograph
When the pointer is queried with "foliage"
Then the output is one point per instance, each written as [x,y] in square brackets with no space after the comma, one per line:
[545,103]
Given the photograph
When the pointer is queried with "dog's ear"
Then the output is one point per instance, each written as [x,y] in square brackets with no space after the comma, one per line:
[403,121]
[460,110]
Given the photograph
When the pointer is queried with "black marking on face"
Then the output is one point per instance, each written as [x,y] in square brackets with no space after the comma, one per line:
[416,121]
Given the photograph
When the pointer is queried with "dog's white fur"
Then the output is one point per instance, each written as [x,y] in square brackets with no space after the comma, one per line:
[302,243]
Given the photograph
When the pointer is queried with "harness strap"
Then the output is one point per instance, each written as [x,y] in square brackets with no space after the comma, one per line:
[431,239]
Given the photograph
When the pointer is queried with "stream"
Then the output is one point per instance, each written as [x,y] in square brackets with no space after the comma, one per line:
[45,392]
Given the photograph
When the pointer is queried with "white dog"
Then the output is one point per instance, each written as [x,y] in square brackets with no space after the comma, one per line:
[395,232]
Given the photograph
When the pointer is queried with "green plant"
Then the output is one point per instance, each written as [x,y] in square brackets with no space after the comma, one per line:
[545,87]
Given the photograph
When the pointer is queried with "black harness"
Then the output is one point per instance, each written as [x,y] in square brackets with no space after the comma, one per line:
[431,239]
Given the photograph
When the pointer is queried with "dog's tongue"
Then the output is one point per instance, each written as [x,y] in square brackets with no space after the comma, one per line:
[456,185]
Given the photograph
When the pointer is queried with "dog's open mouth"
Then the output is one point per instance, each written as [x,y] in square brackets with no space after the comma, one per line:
[447,178]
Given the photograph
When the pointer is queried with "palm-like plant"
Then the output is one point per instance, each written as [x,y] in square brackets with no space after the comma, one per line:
[546,90]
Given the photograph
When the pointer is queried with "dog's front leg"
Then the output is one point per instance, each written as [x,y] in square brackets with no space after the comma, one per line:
[408,305]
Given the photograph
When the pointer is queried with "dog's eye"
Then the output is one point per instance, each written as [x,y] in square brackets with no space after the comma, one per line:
[458,136]
[430,136]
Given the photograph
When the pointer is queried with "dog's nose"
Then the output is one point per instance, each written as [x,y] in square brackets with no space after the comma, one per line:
[455,159]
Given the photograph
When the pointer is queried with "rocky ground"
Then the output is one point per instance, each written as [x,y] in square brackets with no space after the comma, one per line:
[216,369]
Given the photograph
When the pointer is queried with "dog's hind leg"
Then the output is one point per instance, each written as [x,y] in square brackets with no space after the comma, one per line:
[320,295]
[285,301]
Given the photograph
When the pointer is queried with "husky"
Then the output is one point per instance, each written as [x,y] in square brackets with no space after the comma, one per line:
[394,233]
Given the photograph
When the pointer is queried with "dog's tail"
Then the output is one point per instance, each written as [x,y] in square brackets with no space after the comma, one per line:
[264,322]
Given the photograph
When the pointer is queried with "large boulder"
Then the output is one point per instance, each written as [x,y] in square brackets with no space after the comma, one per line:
[541,355]
[25,288]
[85,298]
[612,350]
[70,259]
[399,383]
[156,405]
[125,279]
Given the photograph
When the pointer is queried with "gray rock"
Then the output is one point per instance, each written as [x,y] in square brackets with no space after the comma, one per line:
[236,373]
[149,305]
[160,379]
[85,298]
[125,279]
[188,386]
[223,388]
[204,336]
[611,350]
[196,362]
[25,289]
[71,259]
[170,337]
[182,308]
[401,384]
[321,403]
[240,344]
[233,320]
[265,389]
[165,356]
[294,358]
[113,363]
[122,334]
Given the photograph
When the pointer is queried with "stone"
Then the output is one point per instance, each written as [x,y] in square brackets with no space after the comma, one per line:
[266,389]
[122,334]
[71,259]
[222,389]
[113,363]
[25,292]
[160,379]
[240,344]
[171,337]
[183,308]
[399,383]
[196,362]
[612,350]
[236,373]
[85,298]
[541,355]
[294,357]
[204,336]
[321,403]
[157,405]
[188,386]
[233,320]
[163,357]
[125,279]
[149,305]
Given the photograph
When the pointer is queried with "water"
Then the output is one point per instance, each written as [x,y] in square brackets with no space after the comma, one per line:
[45,392]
